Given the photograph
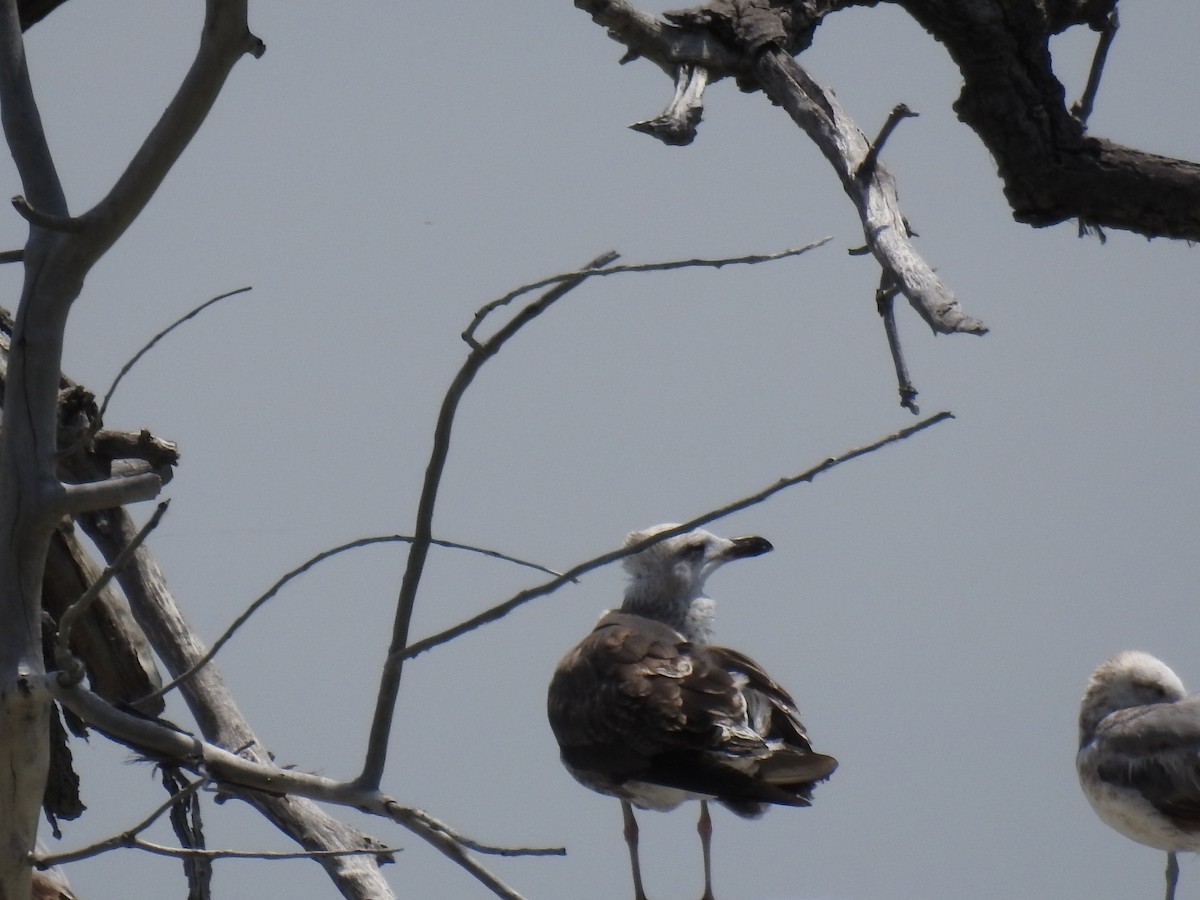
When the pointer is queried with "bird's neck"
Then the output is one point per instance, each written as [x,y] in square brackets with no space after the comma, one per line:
[691,616]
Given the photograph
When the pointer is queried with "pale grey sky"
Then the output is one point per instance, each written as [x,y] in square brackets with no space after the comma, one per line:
[936,608]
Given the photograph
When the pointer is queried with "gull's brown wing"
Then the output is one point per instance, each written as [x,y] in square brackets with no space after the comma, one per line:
[635,702]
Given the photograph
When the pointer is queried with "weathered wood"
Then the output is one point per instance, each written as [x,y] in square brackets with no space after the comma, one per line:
[1053,170]
[219,717]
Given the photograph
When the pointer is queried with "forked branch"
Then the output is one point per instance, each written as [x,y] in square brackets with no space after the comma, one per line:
[481,351]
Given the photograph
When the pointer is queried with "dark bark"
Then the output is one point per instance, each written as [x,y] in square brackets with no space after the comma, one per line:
[33,11]
[1053,170]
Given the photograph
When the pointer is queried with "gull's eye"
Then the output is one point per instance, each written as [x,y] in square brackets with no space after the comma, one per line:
[693,552]
[1153,690]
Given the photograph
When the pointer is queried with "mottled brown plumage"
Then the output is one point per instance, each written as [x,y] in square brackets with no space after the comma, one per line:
[636,705]
[646,710]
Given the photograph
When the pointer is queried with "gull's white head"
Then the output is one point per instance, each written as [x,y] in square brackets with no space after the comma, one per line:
[1127,679]
[667,578]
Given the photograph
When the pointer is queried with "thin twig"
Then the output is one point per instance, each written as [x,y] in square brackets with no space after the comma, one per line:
[64,224]
[124,839]
[749,260]
[158,337]
[456,853]
[472,844]
[12,256]
[300,570]
[503,609]
[72,668]
[899,111]
[885,298]
[222,723]
[1083,109]
[195,853]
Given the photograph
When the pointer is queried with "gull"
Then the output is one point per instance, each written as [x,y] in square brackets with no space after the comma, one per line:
[50,883]
[645,709]
[1139,754]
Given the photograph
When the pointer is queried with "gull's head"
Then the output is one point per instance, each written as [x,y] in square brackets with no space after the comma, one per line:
[1128,679]
[667,578]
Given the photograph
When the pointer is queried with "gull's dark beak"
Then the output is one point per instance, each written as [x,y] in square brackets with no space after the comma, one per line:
[744,547]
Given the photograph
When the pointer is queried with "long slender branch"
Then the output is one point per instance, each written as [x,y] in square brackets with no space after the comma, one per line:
[455,852]
[123,839]
[234,771]
[219,717]
[158,337]
[481,352]
[300,570]
[225,38]
[502,609]
[131,842]
[23,123]
[716,263]
[478,847]
[389,688]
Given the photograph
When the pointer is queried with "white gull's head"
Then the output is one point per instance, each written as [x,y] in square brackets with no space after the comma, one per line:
[1127,679]
[667,578]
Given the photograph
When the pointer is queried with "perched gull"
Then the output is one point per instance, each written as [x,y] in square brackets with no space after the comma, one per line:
[1139,754]
[646,710]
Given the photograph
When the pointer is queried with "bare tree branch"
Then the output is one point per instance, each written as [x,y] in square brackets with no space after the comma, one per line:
[237,772]
[27,476]
[120,662]
[48,221]
[23,123]
[218,716]
[749,260]
[1052,169]
[676,125]
[45,860]
[481,352]
[225,38]
[381,722]
[193,853]
[823,119]
[502,609]
[33,11]
[300,570]
[884,301]
[62,651]
[899,111]
[158,337]
[132,842]
[1082,110]
[472,844]
[767,44]
[119,490]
